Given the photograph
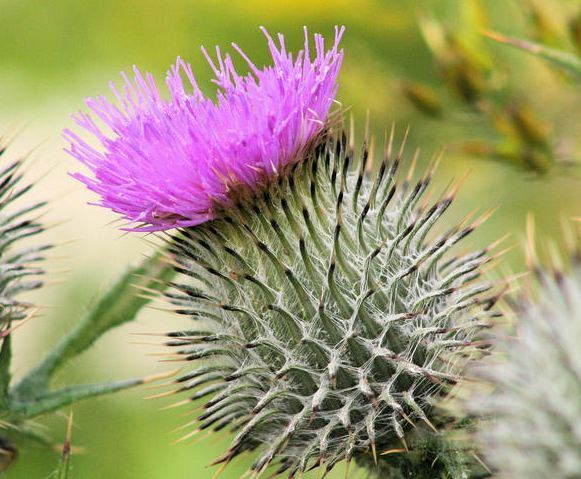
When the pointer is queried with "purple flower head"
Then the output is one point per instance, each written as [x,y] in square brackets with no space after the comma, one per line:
[172,163]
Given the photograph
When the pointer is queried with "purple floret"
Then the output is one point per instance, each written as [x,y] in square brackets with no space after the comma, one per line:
[174,163]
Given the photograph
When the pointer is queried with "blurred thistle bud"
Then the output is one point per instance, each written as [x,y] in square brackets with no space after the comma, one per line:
[463,67]
[463,76]
[423,97]
[575,31]
[535,160]
[509,153]
[478,148]
[525,140]
[528,127]
[534,409]
[543,28]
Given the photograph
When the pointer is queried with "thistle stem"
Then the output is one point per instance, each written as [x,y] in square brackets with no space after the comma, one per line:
[119,305]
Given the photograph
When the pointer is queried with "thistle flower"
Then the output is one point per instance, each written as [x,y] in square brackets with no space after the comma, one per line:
[329,320]
[178,162]
[535,407]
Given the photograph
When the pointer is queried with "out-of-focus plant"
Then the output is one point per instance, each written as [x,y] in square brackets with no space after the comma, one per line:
[471,72]
[20,256]
[569,62]
[532,391]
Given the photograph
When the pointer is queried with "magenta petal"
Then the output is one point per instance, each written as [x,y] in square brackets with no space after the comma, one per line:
[166,163]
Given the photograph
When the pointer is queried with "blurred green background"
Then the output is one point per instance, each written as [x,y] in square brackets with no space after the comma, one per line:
[53,54]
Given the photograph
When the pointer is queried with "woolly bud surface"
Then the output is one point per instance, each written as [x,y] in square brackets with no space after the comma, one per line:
[329,317]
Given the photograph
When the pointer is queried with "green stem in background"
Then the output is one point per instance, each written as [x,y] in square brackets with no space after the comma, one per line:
[565,60]
[119,305]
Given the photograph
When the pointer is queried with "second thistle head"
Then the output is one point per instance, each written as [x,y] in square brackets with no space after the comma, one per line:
[534,409]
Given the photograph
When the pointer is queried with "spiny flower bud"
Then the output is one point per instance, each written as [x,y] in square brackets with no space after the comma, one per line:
[329,318]
[17,271]
[535,407]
